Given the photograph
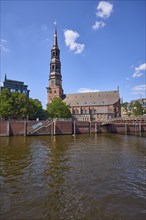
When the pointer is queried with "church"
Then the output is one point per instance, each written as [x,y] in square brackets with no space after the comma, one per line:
[91,106]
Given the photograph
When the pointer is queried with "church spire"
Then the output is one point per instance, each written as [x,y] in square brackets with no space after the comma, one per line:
[55,78]
[55,35]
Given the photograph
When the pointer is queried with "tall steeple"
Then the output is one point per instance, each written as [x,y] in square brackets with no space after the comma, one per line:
[55,35]
[55,77]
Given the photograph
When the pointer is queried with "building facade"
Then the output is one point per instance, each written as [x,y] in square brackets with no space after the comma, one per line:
[15,86]
[83,106]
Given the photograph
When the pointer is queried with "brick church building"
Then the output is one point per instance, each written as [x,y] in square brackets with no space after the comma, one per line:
[91,106]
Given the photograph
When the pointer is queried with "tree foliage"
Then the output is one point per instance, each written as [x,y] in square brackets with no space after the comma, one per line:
[18,105]
[133,108]
[58,109]
[137,108]
[6,104]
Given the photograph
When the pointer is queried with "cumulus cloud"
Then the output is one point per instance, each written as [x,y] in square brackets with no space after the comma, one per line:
[84,90]
[3,46]
[104,9]
[139,90]
[141,67]
[98,24]
[70,41]
[139,70]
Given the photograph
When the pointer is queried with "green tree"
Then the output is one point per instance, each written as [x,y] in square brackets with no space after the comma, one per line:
[18,105]
[137,108]
[125,105]
[37,110]
[5,103]
[58,109]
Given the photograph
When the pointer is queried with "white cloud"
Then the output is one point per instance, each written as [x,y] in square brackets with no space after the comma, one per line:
[70,38]
[98,24]
[84,90]
[141,67]
[104,9]
[138,70]
[3,40]
[1,84]
[139,90]
[3,46]
[137,74]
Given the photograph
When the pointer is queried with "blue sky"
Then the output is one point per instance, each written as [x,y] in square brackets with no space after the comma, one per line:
[102,45]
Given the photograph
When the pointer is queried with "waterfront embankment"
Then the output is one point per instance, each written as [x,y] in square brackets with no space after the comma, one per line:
[68,126]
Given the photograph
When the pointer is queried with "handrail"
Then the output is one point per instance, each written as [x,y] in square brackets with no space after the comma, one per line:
[124,119]
[42,126]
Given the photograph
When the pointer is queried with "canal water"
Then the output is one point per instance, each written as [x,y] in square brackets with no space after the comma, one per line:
[85,177]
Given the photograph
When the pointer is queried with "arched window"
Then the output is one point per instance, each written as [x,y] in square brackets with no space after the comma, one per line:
[76,111]
[93,111]
[84,111]
[57,68]
[53,67]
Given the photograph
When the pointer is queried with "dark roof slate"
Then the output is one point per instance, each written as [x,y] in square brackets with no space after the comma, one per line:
[92,98]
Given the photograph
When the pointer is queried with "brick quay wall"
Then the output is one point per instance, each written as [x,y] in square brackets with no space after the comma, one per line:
[24,128]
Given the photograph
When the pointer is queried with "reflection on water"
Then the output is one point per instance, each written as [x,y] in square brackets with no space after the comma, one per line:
[86,177]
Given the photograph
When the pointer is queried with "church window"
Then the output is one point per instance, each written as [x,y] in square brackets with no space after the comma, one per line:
[84,111]
[57,82]
[54,91]
[57,68]
[76,111]
[52,82]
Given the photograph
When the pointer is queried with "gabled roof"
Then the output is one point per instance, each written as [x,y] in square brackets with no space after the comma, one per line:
[92,98]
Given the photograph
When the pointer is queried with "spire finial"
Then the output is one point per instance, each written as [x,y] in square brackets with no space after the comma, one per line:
[55,33]
[55,23]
